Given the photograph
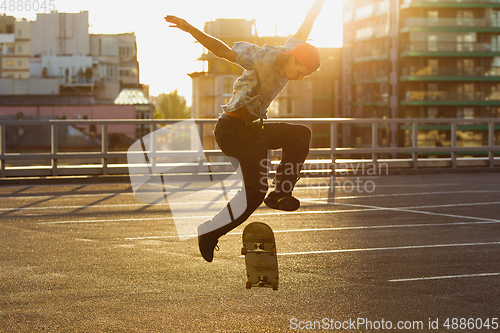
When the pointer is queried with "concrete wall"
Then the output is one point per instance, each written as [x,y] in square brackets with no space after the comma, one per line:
[60,33]
[32,86]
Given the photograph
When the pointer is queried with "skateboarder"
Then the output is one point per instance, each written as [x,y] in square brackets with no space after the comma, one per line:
[240,132]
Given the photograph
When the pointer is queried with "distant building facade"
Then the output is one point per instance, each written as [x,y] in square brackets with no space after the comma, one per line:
[118,65]
[54,61]
[15,48]
[90,68]
[421,59]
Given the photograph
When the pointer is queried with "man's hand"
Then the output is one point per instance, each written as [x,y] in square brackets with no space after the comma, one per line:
[217,47]
[305,29]
[178,23]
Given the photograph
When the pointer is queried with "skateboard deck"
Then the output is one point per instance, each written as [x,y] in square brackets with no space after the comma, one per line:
[259,249]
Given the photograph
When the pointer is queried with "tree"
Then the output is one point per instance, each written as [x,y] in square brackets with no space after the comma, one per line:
[172,106]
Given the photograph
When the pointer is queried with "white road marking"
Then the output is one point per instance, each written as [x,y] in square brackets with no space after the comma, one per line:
[106,221]
[402,194]
[412,247]
[445,277]
[454,205]
[412,210]
[363,208]
[298,188]
[325,200]
[344,228]
[17,209]
[340,184]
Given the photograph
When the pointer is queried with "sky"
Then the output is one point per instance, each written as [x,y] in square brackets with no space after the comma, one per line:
[167,54]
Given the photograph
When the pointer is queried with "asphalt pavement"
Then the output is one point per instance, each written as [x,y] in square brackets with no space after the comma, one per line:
[397,253]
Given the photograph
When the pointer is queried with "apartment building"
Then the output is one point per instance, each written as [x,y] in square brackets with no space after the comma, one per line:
[54,61]
[421,59]
[316,96]
[89,66]
[15,47]
[118,65]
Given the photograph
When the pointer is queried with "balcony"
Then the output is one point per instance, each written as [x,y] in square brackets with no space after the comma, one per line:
[375,99]
[420,98]
[368,54]
[370,79]
[451,24]
[371,33]
[451,3]
[367,11]
[450,49]
[76,82]
[450,73]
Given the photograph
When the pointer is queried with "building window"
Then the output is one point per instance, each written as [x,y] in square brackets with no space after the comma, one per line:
[432,18]
[465,18]
[466,113]
[432,43]
[432,64]
[432,113]
[125,51]
[466,91]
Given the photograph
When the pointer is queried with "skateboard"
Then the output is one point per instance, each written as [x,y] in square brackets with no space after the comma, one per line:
[259,249]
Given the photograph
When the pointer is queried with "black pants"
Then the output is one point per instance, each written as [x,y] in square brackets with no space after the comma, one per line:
[248,143]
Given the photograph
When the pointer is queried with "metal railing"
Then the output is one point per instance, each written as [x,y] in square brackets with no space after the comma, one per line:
[458,22]
[451,96]
[411,157]
[440,46]
[408,2]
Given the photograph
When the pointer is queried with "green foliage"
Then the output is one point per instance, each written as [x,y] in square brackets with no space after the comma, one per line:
[172,106]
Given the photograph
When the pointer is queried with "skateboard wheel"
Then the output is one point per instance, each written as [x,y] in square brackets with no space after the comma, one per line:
[275,286]
[248,285]
[244,251]
[272,251]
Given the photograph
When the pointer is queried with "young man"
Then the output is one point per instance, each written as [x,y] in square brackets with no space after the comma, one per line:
[240,132]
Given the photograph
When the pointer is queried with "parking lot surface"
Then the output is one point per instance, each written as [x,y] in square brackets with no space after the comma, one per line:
[415,253]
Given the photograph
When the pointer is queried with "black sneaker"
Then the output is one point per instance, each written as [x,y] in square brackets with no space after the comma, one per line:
[207,243]
[282,201]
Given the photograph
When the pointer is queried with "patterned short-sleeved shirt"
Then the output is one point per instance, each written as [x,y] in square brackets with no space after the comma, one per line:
[261,81]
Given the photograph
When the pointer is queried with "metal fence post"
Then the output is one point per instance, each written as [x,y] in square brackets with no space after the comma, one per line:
[415,144]
[53,147]
[454,145]
[153,146]
[333,146]
[3,146]
[201,133]
[333,143]
[104,148]
[491,143]
[374,143]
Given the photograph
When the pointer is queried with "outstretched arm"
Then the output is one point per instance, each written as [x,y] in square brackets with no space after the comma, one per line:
[214,45]
[307,25]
